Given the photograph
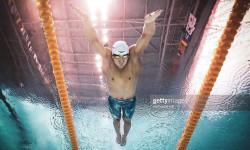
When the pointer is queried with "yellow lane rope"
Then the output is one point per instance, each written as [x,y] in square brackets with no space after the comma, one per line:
[238,11]
[48,27]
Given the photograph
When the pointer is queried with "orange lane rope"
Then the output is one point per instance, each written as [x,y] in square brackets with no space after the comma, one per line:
[48,27]
[238,11]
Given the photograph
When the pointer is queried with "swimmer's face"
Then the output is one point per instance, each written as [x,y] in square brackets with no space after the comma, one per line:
[120,60]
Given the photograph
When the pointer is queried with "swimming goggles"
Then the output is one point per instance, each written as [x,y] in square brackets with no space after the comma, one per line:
[123,56]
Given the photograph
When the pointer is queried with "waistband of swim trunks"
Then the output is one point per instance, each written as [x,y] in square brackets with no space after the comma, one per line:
[130,99]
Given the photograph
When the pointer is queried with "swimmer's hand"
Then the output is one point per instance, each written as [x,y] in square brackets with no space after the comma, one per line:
[152,16]
[81,13]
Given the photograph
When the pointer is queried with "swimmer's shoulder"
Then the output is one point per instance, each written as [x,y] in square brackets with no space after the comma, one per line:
[108,53]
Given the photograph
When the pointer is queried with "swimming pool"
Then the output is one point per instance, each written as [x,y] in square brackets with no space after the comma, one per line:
[37,122]
[42,127]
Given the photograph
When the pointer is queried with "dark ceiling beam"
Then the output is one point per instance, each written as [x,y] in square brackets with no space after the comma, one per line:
[11,40]
[124,17]
[126,28]
[18,37]
[114,20]
[196,7]
[146,8]
[166,34]
[117,38]
[150,44]
[86,72]
[164,27]
[185,19]
[65,53]
[74,62]
[89,55]
[84,38]
[86,84]
[173,36]
[6,42]
[68,33]
[141,21]
[93,55]
[89,52]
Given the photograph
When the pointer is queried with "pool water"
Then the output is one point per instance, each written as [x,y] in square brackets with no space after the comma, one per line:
[152,128]
[37,122]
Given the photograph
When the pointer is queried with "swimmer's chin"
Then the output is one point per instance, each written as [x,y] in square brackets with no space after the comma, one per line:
[121,67]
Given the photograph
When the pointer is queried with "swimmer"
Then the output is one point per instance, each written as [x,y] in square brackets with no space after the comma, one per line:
[121,65]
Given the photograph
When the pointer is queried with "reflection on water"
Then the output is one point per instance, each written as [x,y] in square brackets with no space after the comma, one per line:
[234,77]
[39,123]
[152,128]
[42,125]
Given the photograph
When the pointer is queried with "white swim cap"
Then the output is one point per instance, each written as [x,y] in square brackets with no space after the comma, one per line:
[120,48]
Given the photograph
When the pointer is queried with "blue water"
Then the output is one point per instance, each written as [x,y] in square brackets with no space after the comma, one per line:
[152,128]
[37,121]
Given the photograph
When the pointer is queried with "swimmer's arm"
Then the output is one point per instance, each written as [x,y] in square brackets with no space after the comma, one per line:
[90,32]
[148,31]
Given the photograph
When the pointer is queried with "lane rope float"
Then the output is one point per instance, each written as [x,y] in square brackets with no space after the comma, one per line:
[238,11]
[48,27]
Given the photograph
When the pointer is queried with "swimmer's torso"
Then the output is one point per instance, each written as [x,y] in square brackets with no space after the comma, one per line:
[122,83]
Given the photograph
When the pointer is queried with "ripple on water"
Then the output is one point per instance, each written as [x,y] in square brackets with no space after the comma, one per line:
[160,112]
[216,103]
[238,102]
[57,121]
[13,92]
[142,109]
[93,122]
[214,115]
[192,89]
[242,79]
[158,134]
[106,106]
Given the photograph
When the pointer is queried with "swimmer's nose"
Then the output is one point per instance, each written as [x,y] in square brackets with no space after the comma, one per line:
[121,61]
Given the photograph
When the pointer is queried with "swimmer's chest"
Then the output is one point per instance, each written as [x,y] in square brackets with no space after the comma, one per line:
[124,76]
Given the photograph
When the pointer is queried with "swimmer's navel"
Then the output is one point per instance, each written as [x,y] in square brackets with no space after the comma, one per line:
[113,79]
[129,78]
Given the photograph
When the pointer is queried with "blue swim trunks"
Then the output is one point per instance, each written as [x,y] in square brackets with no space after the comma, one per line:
[127,106]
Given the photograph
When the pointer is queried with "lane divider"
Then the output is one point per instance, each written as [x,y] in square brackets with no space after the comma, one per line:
[48,27]
[238,11]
